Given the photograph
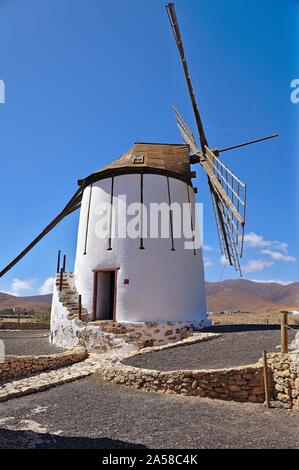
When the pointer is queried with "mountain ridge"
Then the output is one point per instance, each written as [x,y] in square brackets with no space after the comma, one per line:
[231,294]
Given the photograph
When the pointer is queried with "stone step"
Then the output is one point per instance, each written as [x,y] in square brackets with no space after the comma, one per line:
[84,316]
[76,312]
[69,299]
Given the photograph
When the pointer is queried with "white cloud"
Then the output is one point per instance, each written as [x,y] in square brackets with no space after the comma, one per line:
[207,263]
[47,286]
[257,265]
[268,281]
[21,287]
[223,259]
[257,241]
[277,256]
[208,248]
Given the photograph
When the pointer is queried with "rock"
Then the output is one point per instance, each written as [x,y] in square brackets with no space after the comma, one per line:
[252,398]
[258,391]
[194,384]
[168,332]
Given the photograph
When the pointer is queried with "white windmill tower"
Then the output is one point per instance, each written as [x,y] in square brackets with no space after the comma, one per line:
[149,279]
[142,278]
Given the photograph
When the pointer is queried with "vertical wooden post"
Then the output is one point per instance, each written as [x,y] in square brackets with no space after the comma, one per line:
[64,263]
[58,261]
[267,320]
[266,379]
[284,332]
[60,280]
[19,314]
[95,295]
[80,306]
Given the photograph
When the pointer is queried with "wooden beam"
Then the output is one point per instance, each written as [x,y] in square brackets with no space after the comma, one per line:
[71,206]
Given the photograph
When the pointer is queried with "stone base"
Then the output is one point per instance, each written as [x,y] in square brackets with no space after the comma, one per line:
[103,336]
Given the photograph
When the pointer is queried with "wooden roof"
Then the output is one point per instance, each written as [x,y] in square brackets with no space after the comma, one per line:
[169,159]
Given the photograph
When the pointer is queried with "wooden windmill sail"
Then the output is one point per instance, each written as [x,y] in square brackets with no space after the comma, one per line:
[228,192]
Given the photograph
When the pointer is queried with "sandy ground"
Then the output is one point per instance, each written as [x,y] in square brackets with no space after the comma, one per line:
[22,343]
[237,345]
[252,318]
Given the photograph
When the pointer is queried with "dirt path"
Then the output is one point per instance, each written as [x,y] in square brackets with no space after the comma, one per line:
[92,414]
[31,342]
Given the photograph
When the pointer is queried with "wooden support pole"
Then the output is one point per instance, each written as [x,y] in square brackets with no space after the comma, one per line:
[266,379]
[95,295]
[60,280]
[64,263]
[58,261]
[19,315]
[80,306]
[284,332]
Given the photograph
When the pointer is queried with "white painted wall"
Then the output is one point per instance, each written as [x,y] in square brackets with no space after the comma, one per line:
[163,284]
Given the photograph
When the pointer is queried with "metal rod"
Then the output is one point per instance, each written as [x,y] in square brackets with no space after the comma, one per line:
[58,261]
[60,280]
[284,332]
[266,379]
[64,263]
[248,143]
[80,306]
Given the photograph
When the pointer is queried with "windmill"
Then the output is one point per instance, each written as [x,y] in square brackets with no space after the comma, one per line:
[140,279]
[228,192]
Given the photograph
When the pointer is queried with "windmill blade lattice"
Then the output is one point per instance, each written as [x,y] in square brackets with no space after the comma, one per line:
[228,194]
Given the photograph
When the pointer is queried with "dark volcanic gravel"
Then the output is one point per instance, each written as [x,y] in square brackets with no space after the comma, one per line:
[233,348]
[30,342]
[91,414]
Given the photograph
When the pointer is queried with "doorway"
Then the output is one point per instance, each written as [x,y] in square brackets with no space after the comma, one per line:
[104,294]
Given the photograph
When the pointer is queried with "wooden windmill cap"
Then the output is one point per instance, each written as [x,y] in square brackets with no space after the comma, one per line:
[165,159]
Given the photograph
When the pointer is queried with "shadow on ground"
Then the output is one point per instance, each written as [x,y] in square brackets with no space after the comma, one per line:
[11,439]
[240,328]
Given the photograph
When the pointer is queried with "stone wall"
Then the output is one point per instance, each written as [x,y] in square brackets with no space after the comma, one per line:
[5,325]
[242,384]
[285,378]
[138,335]
[19,366]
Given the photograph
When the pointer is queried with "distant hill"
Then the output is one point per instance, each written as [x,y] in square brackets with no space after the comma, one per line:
[234,294]
[38,303]
[241,294]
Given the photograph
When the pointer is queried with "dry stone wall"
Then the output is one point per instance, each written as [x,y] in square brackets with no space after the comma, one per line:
[285,378]
[239,384]
[19,366]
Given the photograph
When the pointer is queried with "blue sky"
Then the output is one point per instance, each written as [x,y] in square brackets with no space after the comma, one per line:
[85,79]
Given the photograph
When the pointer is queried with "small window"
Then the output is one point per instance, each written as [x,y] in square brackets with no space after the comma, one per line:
[138,158]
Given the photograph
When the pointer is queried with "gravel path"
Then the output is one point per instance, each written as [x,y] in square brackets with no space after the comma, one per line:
[35,342]
[92,414]
[232,348]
